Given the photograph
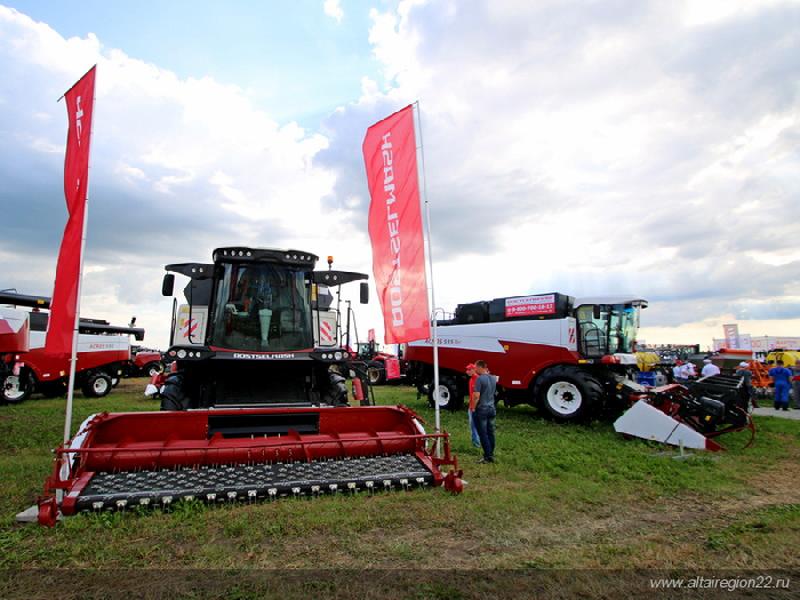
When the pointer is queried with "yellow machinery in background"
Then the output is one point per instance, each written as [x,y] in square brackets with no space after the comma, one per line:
[790,358]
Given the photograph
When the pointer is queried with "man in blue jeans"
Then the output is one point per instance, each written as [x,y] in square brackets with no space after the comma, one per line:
[473,377]
[485,411]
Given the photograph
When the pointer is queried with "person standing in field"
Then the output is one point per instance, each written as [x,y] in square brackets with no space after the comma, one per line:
[743,371]
[782,378]
[485,411]
[473,377]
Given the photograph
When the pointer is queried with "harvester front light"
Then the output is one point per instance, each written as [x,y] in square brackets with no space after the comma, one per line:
[337,356]
[181,353]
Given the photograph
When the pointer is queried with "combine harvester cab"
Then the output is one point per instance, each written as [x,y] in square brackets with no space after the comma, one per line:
[255,405]
[572,359]
[103,352]
[258,328]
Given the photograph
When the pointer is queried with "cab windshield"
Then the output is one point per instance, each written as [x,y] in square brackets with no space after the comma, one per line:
[262,307]
[607,328]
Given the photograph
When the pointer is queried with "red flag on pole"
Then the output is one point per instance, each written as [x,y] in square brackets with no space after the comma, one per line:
[395,227]
[63,308]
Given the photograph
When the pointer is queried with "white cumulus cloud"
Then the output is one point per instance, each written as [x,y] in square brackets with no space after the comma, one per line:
[333,9]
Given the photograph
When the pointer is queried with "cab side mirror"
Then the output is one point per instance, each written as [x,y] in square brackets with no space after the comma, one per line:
[364,292]
[168,285]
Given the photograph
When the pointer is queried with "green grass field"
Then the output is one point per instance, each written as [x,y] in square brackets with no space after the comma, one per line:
[559,496]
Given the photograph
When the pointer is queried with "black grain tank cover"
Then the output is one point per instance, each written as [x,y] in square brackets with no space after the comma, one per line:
[472,312]
[536,306]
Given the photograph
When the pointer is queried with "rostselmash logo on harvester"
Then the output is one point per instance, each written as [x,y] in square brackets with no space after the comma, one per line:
[393,222]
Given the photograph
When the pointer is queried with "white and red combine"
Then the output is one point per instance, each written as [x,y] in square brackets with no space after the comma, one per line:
[103,352]
[567,357]
[575,360]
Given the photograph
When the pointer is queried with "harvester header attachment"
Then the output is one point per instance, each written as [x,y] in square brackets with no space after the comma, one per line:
[124,460]
[691,416]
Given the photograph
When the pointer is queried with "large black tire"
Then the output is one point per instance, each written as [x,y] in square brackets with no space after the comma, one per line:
[336,393]
[153,368]
[376,373]
[17,389]
[172,396]
[451,397]
[97,385]
[568,394]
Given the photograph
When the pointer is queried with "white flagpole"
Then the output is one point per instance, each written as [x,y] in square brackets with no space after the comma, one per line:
[74,360]
[435,337]
[75,332]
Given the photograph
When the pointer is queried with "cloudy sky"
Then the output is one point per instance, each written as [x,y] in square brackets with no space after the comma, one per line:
[585,147]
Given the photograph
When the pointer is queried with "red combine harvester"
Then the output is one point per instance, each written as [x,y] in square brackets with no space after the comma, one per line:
[103,351]
[256,405]
[570,358]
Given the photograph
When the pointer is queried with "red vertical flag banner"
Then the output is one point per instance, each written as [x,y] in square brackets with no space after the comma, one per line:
[395,227]
[63,308]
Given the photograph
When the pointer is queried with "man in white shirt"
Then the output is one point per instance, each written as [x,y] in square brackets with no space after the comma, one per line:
[709,368]
[691,370]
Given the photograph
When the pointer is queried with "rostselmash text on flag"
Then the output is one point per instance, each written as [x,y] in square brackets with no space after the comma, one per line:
[63,307]
[395,227]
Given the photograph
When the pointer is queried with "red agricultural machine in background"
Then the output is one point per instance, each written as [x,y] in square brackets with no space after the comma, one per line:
[14,335]
[145,362]
[256,405]
[103,352]
[382,367]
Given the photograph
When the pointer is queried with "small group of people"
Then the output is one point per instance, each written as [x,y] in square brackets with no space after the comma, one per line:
[482,410]
[682,372]
[783,378]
